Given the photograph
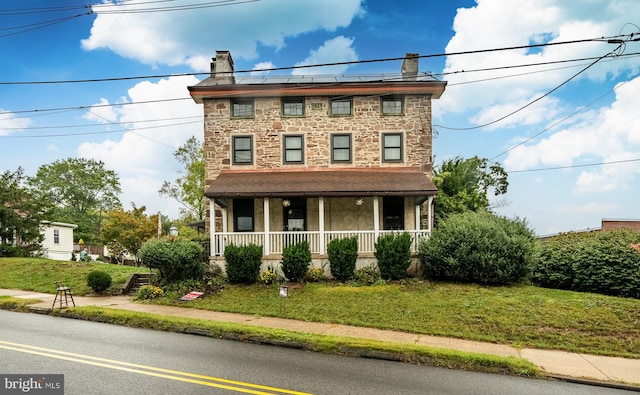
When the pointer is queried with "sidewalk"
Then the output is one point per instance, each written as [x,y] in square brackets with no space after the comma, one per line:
[561,364]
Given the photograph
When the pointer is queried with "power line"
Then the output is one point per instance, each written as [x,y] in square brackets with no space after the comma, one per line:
[286,68]
[620,45]
[575,166]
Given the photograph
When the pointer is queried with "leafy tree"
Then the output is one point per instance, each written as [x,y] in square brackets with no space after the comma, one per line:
[188,189]
[130,229]
[20,216]
[463,185]
[81,190]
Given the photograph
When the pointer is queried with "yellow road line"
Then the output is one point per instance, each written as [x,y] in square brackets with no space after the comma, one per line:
[148,370]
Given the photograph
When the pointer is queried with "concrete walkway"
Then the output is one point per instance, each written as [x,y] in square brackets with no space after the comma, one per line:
[620,372]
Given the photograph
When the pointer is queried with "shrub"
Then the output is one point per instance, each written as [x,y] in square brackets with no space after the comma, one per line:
[98,280]
[243,263]
[149,292]
[343,254]
[600,262]
[367,275]
[479,247]
[315,275]
[393,253]
[269,276]
[295,261]
[176,259]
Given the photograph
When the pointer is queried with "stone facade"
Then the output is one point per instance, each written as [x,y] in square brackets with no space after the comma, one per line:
[366,127]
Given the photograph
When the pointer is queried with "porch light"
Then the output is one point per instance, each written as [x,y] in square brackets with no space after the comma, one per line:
[359,202]
[286,203]
[173,231]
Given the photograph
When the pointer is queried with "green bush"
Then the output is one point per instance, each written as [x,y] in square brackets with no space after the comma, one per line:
[600,262]
[176,259]
[343,254]
[393,253]
[243,263]
[147,292]
[99,281]
[479,247]
[295,261]
[367,275]
[315,275]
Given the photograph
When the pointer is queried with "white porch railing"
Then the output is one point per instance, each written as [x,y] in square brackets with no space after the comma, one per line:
[278,240]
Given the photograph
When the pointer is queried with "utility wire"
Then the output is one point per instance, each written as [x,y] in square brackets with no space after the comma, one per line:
[353,62]
[133,131]
[620,45]
[575,166]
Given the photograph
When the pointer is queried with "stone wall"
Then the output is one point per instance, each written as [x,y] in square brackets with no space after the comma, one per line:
[366,126]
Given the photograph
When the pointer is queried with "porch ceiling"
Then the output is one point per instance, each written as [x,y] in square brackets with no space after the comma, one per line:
[314,183]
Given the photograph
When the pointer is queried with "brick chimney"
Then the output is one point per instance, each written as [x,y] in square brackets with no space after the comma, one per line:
[410,66]
[222,68]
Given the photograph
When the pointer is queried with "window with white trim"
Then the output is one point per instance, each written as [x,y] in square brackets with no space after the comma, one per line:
[56,236]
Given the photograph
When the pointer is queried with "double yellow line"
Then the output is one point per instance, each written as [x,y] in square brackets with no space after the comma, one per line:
[186,377]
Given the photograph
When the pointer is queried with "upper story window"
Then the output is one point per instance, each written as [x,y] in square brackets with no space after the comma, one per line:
[392,105]
[341,107]
[341,148]
[242,108]
[242,150]
[293,149]
[392,147]
[293,106]
[56,236]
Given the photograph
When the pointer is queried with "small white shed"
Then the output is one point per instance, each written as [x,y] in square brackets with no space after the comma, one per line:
[58,240]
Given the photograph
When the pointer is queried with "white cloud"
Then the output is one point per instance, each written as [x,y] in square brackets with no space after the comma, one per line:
[102,112]
[143,156]
[186,37]
[9,123]
[338,49]
[496,23]
[606,135]
[260,67]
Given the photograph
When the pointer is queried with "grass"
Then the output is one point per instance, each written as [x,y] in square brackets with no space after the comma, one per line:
[39,275]
[521,316]
[318,343]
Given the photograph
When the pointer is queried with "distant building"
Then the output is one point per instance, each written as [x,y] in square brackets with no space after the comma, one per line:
[612,224]
[58,240]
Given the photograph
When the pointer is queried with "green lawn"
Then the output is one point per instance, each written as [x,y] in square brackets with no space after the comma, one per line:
[522,316]
[36,274]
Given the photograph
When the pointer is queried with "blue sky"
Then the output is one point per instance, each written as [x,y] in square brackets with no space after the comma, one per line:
[547,148]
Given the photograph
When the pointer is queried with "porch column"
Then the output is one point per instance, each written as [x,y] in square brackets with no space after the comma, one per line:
[212,228]
[376,218]
[265,243]
[321,223]
[225,227]
[430,212]
[417,216]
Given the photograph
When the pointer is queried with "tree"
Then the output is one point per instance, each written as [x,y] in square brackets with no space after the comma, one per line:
[81,190]
[463,185]
[130,229]
[188,189]
[20,216]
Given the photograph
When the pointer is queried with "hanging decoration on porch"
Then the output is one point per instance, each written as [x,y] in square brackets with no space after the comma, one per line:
[286,203]
[359,202]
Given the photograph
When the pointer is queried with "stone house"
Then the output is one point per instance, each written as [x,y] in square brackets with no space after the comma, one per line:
[314,158]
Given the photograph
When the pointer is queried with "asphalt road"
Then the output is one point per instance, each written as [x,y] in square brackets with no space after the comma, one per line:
[106,359]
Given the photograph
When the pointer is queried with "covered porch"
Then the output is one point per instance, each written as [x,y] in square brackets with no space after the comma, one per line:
[279,208]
